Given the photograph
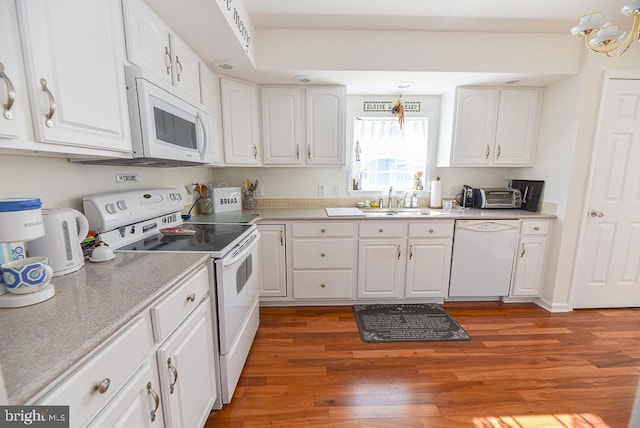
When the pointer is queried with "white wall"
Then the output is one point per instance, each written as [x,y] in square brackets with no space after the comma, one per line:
[59,183]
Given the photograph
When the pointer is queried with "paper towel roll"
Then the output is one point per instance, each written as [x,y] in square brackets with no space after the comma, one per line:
[436,194]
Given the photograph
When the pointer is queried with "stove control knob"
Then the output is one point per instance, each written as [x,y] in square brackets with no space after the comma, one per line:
[111,208]
[122,205]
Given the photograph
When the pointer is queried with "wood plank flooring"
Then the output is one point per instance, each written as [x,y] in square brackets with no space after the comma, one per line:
[523,367]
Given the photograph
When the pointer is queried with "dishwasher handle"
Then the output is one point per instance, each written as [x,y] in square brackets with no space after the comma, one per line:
[487,226]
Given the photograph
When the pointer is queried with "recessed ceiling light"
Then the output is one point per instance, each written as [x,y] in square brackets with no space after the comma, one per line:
[225,65]
[304,79]
[405,85]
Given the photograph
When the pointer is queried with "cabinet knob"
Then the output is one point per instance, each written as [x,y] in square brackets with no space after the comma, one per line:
[381,230]
[323,230]
[322,254]
[191,297]
[536,228]
[430,230]
[323,285]
[103,385]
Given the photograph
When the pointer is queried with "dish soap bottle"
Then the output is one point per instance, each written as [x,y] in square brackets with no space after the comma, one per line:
[414,200]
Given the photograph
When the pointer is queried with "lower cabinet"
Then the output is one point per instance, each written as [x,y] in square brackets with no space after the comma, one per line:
[530,258]
[381,265]
[158,371]
[273,264]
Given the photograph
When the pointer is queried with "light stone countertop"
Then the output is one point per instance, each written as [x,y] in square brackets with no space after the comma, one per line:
[262,215]
[39,343]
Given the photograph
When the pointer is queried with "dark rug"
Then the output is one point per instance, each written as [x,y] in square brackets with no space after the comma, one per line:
[427,322]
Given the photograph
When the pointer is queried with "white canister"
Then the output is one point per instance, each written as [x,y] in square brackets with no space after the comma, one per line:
[20,220]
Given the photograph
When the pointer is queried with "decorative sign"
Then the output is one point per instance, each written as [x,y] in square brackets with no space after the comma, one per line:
[386,106]
[238,18]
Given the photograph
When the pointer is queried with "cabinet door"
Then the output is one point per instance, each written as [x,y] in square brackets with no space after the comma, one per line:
[148,44]
[517,127]
[325,125]
[381,265]
[273,268]
[239,122]
[529,266]
[281,124]
[428,266]
[186,70]
[74,62]
[14,107]
[474,126]
[137,405]
[210,96]
[188,371]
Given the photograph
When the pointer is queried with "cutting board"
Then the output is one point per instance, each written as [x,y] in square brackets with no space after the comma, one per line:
[343,212]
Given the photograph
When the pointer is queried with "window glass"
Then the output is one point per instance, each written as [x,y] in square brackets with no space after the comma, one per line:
[386,155]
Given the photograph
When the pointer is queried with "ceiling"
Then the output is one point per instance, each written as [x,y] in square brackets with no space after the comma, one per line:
[468,16]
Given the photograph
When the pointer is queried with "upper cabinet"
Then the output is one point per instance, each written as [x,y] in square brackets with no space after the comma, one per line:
[303,126]
[73,72]
[240,118]
[153,46]
[489,127]
[210,95]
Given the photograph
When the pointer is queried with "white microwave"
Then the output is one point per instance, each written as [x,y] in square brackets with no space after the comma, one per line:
[166,129]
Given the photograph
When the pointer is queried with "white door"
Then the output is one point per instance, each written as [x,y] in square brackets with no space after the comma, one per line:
[608,264]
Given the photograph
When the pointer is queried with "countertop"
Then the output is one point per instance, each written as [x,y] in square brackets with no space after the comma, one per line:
[41,342]
[285,214]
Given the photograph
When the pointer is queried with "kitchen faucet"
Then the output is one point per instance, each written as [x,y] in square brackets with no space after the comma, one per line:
[389,201]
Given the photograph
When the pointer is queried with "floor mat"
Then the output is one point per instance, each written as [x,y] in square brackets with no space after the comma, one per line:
[428,322]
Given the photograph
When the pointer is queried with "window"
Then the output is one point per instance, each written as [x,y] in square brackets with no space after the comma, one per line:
[386,156]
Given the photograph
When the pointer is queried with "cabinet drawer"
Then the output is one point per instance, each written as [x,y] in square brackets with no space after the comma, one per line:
[110,367]
[323,284]
[330,228]
[322,253]
[383,230]
[431,229]
[535,227]
[170,312]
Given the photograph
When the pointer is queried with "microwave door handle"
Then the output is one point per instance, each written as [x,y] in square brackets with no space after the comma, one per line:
[205,137]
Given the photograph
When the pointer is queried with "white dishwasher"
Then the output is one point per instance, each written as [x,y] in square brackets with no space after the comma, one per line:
[482,260]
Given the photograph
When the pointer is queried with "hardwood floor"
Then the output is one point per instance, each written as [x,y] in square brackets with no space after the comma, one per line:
[523,367]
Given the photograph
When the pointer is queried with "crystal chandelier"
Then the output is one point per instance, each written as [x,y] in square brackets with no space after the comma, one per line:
[600,35]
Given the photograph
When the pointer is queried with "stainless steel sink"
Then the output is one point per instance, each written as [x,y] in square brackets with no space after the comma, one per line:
[399,213]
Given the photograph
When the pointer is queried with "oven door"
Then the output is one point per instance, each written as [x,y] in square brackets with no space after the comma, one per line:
[237,289]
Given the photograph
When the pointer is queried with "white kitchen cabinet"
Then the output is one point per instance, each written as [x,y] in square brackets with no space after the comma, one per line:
[429,259]
[137,405]
[381,259]
[325,125]
[153,46]
[210,95]
[273,267]
[240,119]
[323,255]
[303,126]
[187,371]
[530,258]
[489,127]
[74,58]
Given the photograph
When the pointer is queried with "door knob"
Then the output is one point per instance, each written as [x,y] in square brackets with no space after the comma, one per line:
[595,213]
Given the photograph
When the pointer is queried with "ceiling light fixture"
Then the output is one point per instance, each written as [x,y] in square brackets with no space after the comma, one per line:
[225,65]
[405,85]
[303,79]
[600,35]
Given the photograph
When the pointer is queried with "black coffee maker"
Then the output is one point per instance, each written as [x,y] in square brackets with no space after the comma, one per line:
[465,197]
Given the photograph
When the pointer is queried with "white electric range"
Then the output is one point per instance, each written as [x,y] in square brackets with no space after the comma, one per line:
[150,220]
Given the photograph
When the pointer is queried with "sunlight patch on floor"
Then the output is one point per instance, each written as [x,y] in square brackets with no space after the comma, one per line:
[582,420]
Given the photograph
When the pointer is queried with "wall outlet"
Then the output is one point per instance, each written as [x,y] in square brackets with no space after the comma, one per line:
[260,191]
[322,190]
[336,190]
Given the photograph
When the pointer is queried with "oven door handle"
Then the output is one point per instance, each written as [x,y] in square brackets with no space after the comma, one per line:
[226,262]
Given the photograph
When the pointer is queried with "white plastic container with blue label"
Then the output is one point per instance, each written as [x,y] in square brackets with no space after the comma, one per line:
[20,220]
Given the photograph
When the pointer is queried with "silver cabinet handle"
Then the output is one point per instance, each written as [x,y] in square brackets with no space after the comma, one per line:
[410,252]
[281,238]
[297,151]
[498,152]
[524,250]
[156,399]
[52,103]
[399,253]
[595,213]
[11,93]
[103,385]
[487,152]
[179,64]
[309,151]
[167,59]
[255,152]
[174,370]
[191,297]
